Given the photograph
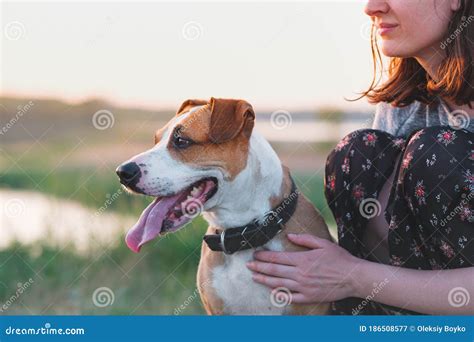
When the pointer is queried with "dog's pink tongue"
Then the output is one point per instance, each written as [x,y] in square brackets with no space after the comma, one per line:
[150,223]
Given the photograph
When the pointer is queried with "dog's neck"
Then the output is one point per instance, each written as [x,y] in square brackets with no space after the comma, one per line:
[251,194]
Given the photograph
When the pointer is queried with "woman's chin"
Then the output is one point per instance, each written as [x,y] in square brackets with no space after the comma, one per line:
[392,48]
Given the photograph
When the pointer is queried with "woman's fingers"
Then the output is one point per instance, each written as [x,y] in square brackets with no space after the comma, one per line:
[307,240]
[275,282]
[284,258]
[271,269]
[300,298]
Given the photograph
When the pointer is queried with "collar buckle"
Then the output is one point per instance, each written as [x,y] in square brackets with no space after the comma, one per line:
[258,232]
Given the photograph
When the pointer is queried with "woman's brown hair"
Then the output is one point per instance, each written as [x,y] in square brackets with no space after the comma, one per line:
[408,81]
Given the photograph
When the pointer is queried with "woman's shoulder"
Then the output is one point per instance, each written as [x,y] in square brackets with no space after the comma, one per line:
[400,121]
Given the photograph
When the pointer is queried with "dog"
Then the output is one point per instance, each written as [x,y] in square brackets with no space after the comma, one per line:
[209,159]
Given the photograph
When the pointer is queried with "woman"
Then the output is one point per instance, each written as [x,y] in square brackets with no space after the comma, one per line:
[402,193]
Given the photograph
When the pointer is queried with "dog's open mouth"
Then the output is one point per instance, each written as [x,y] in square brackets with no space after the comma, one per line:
[168,214]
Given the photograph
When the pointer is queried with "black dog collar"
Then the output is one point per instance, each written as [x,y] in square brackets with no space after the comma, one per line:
[256,233]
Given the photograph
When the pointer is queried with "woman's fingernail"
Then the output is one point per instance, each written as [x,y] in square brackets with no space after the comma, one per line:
[291,235]
[249,264]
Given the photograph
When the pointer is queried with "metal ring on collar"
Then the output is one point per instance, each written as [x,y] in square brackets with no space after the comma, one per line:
[222,242]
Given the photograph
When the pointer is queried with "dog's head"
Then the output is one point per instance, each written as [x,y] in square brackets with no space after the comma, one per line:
[205,145]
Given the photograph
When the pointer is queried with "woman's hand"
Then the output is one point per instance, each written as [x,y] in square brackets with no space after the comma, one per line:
[322,274]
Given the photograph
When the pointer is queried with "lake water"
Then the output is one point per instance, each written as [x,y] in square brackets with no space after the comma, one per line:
[29,217]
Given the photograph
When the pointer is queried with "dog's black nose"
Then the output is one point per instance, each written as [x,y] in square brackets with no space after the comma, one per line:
[129,173]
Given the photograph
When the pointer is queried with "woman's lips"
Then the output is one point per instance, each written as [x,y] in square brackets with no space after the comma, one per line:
[384,28]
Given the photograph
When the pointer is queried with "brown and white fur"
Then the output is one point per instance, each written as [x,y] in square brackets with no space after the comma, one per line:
[251,180]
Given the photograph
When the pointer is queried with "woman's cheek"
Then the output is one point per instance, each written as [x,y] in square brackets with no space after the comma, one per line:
[423,25]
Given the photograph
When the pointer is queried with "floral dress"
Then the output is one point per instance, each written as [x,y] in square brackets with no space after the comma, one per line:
[430,211]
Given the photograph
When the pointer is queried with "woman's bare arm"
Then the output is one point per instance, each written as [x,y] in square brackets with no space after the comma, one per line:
[439,292]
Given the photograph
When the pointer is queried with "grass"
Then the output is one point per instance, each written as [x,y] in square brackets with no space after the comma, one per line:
[159,280]
[64,282]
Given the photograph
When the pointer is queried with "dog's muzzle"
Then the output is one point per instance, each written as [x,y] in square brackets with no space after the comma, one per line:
[129,174]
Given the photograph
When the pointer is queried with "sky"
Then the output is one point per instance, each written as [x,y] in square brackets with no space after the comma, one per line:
[284,55]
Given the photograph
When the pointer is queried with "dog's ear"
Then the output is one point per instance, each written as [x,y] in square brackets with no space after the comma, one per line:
[188,104]
[229,118]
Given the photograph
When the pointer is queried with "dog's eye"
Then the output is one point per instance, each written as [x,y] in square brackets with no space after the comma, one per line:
[181,143]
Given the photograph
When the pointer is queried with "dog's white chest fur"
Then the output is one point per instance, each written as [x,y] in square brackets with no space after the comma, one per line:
[233,283]
[260,180]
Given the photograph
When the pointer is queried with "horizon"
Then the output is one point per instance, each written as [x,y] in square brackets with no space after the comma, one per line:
[125,106]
